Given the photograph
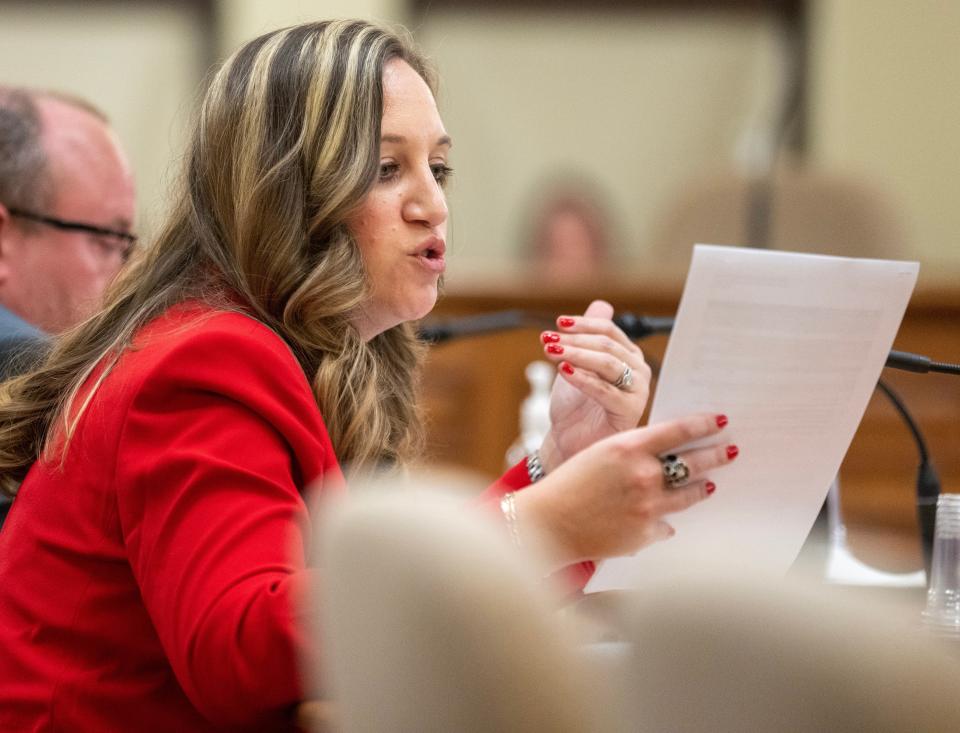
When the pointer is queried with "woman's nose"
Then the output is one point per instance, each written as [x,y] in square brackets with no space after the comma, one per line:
[427,202]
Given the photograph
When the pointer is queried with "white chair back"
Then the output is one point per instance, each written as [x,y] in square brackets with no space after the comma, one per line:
[733,657]
[432,622]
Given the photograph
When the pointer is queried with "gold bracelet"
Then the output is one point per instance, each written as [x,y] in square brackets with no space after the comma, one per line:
[508,506]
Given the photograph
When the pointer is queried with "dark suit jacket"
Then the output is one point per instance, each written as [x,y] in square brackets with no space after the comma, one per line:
[21,346]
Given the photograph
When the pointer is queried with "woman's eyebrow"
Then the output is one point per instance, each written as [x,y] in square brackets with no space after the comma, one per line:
[391,138]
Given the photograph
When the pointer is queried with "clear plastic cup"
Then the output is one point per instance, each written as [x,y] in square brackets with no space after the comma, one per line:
[942,614]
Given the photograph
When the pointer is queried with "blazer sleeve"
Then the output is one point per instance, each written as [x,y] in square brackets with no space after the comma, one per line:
[209,478]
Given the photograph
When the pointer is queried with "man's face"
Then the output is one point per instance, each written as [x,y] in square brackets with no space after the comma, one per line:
[54,278]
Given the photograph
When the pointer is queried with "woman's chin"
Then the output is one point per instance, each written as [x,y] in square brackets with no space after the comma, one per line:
[371,322]
[421,309]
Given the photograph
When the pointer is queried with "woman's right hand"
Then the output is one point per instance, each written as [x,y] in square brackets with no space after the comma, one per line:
[609,499]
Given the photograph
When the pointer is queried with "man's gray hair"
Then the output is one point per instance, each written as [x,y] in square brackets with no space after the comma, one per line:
[25,182]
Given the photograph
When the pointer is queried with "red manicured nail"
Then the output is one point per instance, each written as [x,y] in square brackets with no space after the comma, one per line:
[722,421]
[711,487]
[566,367]
[565,322]
[549,337]
[732,452]
[554,349]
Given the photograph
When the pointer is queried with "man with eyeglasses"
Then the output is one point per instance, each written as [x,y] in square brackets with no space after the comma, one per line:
[66,208]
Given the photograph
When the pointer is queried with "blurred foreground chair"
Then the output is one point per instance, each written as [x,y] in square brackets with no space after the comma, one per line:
[724,656]
[432,622]
[802,209]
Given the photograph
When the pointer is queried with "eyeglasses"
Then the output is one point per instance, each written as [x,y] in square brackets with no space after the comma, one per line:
[115,240]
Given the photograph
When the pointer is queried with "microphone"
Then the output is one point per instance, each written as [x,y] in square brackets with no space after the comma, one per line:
[922,364]
[639,327]
[475,325]
[635,327]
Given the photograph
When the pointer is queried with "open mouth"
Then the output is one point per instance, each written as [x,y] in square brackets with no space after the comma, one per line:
[431,255]
[433,248]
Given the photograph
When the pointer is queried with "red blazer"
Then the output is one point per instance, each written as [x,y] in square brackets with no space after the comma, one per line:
[153,581]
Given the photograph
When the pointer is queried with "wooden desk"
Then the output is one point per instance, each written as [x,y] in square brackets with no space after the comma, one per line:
[473,388]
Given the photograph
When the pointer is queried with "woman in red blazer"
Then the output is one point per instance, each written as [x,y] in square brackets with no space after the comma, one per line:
[152,566]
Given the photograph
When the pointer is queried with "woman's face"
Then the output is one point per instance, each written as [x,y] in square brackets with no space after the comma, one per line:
[401,226]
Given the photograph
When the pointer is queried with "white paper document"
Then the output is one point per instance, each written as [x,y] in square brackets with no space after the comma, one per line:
[789,347]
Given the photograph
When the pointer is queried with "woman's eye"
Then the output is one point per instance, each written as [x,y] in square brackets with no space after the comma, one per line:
[391,171]
[441,172]
[388,171]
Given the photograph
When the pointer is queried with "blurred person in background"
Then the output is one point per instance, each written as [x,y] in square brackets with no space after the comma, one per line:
[571,237]
[153,568]
[66,207]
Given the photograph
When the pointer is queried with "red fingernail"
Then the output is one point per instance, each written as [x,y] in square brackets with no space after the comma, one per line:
[549,337]
[565,322]
[722,421]
[566,367]
[732,452]
[711,487]
[554,349]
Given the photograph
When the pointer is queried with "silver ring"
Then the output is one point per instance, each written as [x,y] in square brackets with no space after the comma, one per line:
[675,470]
[625,380]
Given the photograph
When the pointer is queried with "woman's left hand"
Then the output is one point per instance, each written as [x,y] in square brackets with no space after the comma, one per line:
[591,354]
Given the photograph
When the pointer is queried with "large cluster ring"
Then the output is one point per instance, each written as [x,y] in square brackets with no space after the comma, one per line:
[625,380]
[675,470]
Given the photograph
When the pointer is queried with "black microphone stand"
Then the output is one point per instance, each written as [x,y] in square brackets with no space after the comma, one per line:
[928,481]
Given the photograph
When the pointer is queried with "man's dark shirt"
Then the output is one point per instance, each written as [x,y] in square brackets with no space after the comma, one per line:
[21,347]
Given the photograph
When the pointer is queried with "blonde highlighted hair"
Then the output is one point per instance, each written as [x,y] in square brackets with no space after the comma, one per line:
[286,146]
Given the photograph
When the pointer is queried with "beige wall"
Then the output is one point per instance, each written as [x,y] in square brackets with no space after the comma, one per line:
[637,102]
[241,20]
[139,63]
[886,103]
[143,64]
[642,103]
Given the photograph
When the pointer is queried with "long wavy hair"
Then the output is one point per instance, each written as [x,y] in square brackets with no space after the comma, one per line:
[285,147]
